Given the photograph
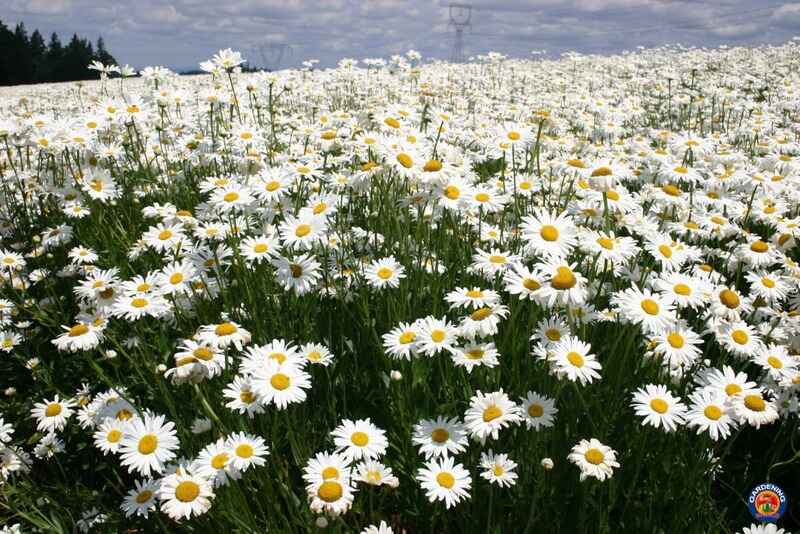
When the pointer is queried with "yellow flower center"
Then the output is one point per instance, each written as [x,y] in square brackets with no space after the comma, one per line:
[514,136]
[729,299]
[113,436]
[225,329]
[535,410]
[732,389]
[247,396]
[405,160]
[302,230]
[712,412]
[602,171]
[480,314]
[219,461]
[491,413]
[330,491]
[438,336]
[553,334]
[475,354]
[482,197]
[384,273]
[755,403]
[440,435]
[575,359]
[272,186]
[740,337]
[675,340]
[563,279]
[279,381]
[530,284]
[330,472]
[52,410]
[359,439]
[594,456]
[244,451]
[775,362]
[606,243]
[659,405]
[682,289]
[231,196]
[148,444]
[164,235]
[759,247]
[649,306]
[144,496]
[499,260]
[445,480]
[671,190]
[78,330]
[408,337]
[549,232]
[452,192]
[187,491]
[665,251]
[432,165]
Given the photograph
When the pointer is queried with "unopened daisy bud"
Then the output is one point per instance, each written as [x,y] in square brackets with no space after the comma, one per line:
[161,368]
[396,375]
[321,522]
[111,354]
[10,392]
[201,425]
[547,464]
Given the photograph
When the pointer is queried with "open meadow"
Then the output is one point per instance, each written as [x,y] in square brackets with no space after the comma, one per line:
[504,296]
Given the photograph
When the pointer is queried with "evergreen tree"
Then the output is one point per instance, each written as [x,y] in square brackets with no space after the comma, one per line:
[27,59]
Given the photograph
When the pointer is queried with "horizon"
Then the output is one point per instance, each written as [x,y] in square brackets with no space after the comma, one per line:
[279,35]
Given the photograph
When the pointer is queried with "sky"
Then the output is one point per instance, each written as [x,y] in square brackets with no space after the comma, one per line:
[283,33]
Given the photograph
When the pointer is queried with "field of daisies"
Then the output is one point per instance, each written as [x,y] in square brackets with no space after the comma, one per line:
[403,296]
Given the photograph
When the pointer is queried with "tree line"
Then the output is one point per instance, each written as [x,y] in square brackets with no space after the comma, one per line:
[28,59]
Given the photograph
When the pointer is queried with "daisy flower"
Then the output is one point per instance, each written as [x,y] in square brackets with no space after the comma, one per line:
[498,469]
[752,408]
[538,411]
[148,444]
[474,298]
[302,232]
[658,407]
[243,397]
[572,358]
[483,322]
[474,355]
[184,495]
[214,464]
[281,384]
[709,412]
[52,415]
[440,437]
[385,272]
[141,499]
[316,354]
[300,274]
[326,466]
[654,313]
[445,480]
[594,459]
[81,336]
[360,439]
[375,473]
[489,413]
[108,436]
[247,450]
[435,335]
[334,496]
[223,335]
[401,341]
[545,235]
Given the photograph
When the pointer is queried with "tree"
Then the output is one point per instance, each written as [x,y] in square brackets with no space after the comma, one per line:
[28,60]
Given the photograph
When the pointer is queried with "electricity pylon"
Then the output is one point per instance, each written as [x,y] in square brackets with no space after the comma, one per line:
[460,16]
